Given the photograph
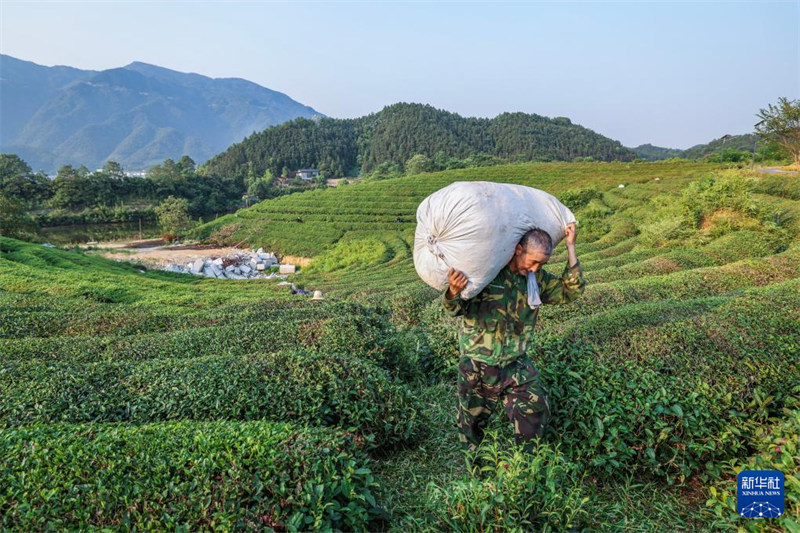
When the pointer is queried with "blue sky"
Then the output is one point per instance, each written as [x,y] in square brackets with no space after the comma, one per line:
[672,74]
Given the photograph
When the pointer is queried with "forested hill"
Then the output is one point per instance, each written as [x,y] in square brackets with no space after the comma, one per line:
[342,147]
[738,143]
[746,143]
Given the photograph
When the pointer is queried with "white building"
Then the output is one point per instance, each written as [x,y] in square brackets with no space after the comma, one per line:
[307,173]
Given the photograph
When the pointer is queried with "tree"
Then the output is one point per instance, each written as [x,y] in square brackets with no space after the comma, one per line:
[19,182]
[13,220]
[173,216]
[781,124]
[186,165]
[418,163]
[114,170]
[72,188]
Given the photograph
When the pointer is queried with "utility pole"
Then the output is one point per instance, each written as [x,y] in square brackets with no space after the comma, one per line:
[755,143]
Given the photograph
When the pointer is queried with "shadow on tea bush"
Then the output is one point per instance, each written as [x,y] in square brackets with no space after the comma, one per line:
[317,389]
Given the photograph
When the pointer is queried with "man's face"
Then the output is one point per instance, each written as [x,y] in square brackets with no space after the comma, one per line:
[529,261]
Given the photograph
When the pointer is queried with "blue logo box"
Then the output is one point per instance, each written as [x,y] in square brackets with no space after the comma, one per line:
[759,493]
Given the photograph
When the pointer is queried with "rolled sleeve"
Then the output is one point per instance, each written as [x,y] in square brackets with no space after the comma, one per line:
[452,307]
[563,289]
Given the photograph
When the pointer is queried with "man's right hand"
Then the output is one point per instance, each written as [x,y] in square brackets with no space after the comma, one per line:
[457,281]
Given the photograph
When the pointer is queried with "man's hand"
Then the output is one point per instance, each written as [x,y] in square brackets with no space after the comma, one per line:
[457,281]
[570,234]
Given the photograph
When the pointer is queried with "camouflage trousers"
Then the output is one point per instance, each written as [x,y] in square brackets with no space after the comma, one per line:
[481,387]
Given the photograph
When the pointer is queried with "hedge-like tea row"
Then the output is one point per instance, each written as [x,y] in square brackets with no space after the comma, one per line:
[690,284]
[515,491]
[670,397]
[313,388]
[186,475]
[75,317]
[185,343]
[337,328]
[777,447]
[664,263]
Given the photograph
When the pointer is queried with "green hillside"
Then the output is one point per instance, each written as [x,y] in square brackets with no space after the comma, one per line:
[728,148]
[393,135]
[648,152]
[147,399]
[745,143]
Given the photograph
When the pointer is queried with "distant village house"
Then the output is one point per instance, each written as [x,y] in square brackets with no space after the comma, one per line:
[307,173]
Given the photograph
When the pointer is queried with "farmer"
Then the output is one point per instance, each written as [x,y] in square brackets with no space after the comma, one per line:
[496,329]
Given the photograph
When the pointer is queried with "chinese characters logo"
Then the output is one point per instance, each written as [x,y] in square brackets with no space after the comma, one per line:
[760,493]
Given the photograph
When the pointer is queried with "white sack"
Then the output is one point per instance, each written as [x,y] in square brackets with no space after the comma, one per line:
[474,227]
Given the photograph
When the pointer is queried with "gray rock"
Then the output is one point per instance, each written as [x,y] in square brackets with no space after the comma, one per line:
[287,269]
[260,266]
[198,265]
[230,268]
[217,261]
[244,269]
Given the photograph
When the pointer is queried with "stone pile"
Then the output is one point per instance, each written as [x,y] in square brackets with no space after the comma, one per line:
[242,265]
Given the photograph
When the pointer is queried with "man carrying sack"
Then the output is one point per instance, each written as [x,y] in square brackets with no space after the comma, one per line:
[496,328]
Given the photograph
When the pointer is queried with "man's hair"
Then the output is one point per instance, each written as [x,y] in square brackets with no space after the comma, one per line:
[537,240]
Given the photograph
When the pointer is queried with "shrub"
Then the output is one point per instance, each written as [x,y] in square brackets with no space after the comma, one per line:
[701,198]
[776,447]
[667,395]
[577,198]
[313,388]
[517,491]
[222,236]
[185,476]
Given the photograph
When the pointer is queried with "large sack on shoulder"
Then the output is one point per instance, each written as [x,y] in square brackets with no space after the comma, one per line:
[474,227]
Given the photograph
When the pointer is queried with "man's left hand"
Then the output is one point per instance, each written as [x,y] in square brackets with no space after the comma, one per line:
[570,234]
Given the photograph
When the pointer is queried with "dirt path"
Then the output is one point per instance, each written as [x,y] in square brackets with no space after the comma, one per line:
[160,257]
[155,255]
[777,170]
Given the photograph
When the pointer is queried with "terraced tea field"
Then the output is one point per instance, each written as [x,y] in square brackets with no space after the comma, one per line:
[134,398]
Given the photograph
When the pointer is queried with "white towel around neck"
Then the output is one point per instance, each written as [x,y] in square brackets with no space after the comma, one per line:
[534,300]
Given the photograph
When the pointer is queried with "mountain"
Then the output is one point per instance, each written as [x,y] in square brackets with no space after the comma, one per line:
[656,153]
[137,115]
[746,143]
[400,131]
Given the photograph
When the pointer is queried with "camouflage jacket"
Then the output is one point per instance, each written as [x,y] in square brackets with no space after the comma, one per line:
[497,324]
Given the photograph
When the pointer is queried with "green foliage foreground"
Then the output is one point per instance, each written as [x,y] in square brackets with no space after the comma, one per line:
[678,367]
[185,475]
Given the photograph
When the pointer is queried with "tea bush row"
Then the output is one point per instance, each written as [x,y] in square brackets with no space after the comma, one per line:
[314,388]
[694,283]
[511,491]
[334,328]
[73,317]
[184,476]
[777,447]
[670,397]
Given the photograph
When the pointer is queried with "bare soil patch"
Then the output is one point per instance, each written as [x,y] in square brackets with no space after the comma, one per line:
[154,254]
